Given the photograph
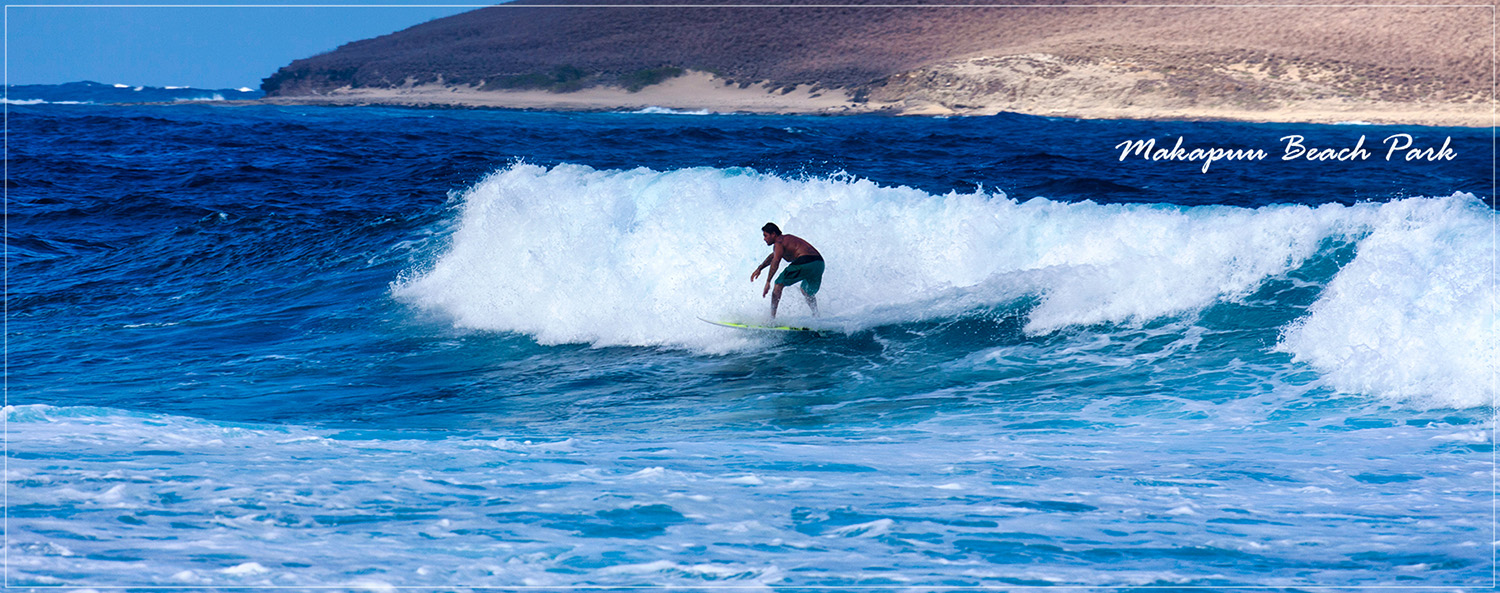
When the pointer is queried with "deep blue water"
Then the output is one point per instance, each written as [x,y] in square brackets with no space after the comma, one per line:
[369,347]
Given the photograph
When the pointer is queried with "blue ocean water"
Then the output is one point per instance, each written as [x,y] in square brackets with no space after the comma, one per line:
[368,348]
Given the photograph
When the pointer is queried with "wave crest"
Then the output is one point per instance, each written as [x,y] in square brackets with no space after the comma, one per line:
[1412,317]
[573,254]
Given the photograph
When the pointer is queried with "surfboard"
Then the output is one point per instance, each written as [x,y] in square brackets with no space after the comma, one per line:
[752,326]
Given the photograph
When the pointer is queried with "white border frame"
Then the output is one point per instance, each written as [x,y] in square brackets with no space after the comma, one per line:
[1494,203]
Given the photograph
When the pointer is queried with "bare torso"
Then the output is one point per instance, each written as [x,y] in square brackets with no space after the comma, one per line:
[793,247]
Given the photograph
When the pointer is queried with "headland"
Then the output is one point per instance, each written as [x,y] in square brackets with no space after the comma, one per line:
[1324,63]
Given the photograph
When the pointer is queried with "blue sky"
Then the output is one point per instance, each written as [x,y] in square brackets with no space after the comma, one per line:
[217,45]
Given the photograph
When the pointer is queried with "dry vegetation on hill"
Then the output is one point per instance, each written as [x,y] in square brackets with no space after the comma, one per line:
[1249,57]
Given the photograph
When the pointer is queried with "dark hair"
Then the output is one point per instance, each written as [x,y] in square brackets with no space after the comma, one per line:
[771,228]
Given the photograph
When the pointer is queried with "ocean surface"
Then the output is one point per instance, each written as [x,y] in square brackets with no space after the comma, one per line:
[368,348]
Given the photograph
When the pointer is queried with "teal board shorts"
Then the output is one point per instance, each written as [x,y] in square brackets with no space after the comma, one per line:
[809,273]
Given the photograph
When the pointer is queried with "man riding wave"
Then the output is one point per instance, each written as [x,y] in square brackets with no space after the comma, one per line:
[804,264]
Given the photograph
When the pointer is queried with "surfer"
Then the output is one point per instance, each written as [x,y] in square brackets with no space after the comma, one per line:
[804,264]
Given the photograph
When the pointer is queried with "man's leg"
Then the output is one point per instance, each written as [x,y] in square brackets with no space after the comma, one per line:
[775,299]
[812,301]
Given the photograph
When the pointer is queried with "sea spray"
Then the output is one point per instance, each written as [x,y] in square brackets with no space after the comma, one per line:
[1413,316]
[572,254]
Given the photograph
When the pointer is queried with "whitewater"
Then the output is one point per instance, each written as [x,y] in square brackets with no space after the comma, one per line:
[370,348]
[657,248]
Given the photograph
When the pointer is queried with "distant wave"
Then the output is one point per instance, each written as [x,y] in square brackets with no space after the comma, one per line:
[573,254]
[42,102]
[654,110]
[93,93]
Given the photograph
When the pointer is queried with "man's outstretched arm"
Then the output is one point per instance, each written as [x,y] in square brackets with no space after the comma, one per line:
[775,261]
[762,266]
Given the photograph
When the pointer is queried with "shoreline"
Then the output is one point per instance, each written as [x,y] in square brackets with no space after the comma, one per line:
[703,93]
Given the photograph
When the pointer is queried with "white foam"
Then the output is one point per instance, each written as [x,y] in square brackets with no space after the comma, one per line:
[1468,436]
[711,571]
[874,528]
[573,254]
[42,102]
[247,568]
[577,255]
[1412,318]
[373,585]
[654,110]
[187,576]
[430,509]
